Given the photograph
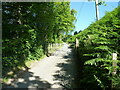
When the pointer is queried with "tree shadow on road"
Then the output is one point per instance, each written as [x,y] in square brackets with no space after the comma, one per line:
[67,73]
[26,79]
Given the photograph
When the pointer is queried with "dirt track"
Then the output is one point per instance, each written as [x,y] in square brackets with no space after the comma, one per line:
[56,71]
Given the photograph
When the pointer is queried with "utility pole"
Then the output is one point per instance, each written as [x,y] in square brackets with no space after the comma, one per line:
[96,6]
[97,11]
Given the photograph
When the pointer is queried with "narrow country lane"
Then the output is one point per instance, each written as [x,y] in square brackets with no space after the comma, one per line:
[55,71]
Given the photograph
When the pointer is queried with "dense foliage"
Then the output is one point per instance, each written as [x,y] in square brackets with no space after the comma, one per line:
[96,45]
[28,29]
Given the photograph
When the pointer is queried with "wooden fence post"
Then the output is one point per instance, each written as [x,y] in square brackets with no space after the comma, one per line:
[76,45]
[114,65]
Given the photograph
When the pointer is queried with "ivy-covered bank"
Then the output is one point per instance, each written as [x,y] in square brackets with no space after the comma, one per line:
[96,45]
[28,28]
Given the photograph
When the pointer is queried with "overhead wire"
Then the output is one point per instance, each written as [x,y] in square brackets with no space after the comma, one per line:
[79,13]
[80,9]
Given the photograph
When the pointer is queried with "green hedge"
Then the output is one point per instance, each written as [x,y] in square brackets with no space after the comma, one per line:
[96,45]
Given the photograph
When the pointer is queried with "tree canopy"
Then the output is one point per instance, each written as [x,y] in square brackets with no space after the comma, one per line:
[29,27]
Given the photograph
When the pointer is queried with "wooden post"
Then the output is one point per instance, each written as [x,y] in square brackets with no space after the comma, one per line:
[114,64]
[76,45]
